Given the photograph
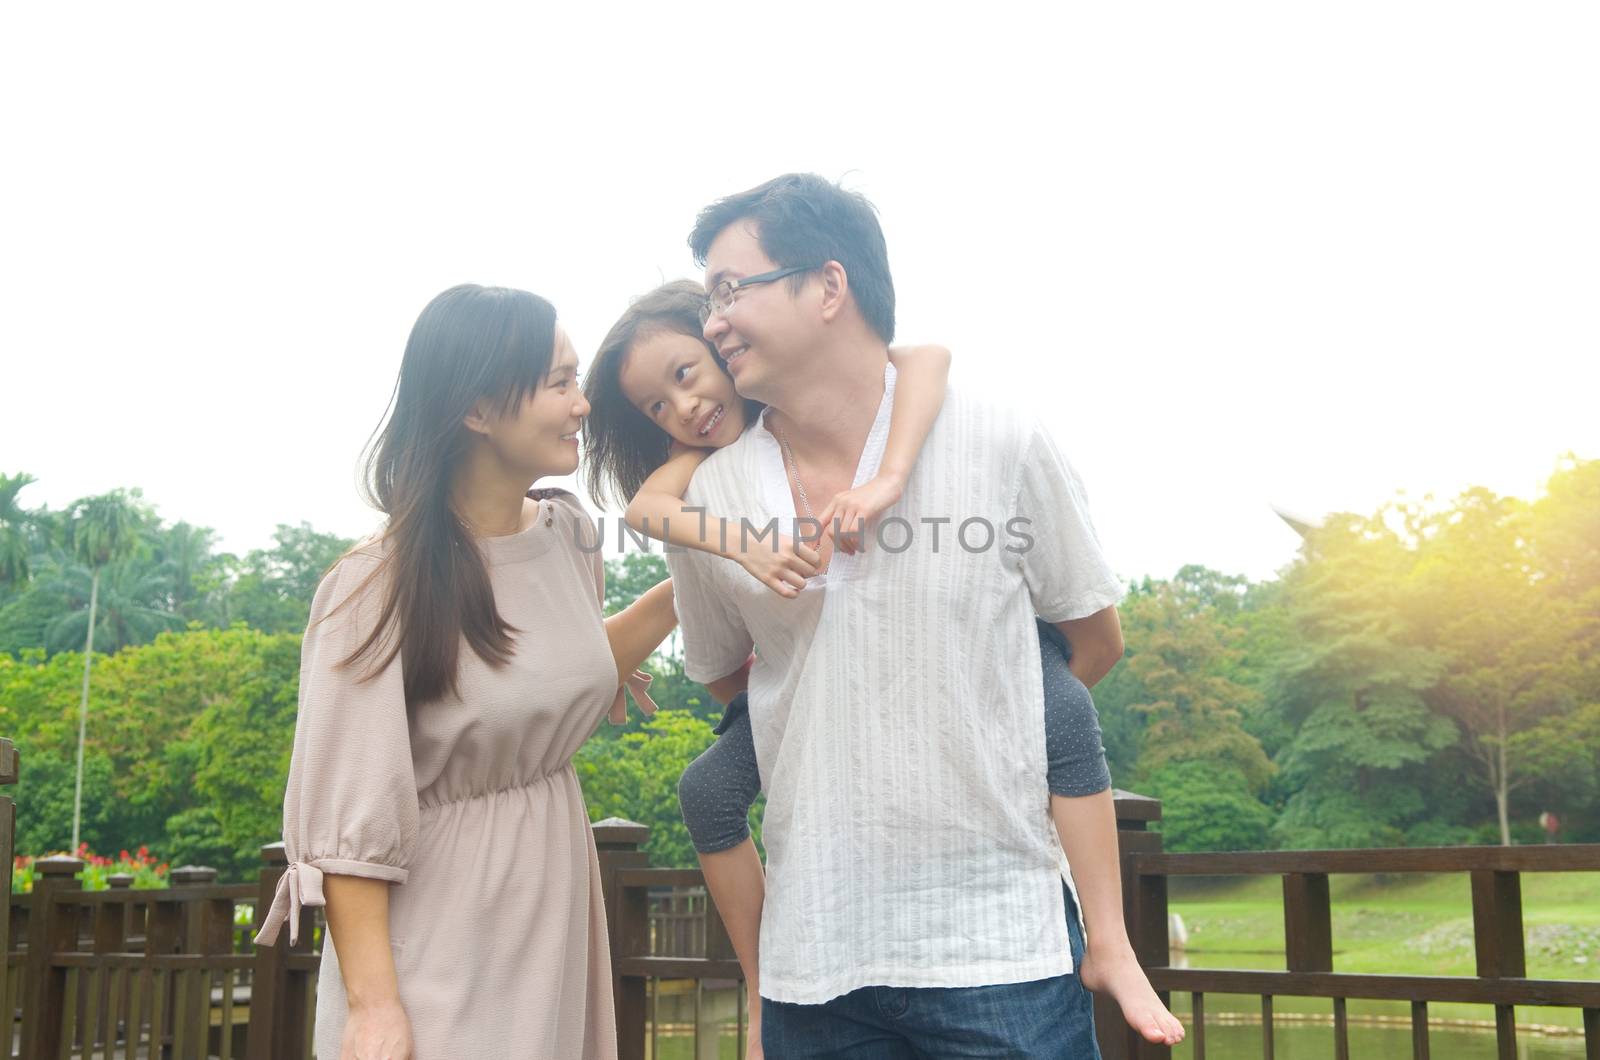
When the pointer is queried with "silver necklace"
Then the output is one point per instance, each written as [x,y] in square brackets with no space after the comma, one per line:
[794,471]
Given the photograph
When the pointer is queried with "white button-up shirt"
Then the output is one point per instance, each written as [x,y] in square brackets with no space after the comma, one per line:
[897,707]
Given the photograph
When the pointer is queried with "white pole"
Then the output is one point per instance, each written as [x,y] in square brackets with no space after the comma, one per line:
[83,711]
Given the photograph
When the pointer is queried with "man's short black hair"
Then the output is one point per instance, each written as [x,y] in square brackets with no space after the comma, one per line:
[803,219]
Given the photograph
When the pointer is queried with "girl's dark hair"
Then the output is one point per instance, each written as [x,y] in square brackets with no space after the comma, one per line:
[470,344]
[621,445]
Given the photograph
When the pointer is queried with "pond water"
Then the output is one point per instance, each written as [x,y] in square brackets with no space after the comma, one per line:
[1234,1039]
[1312,1042]
[1291,1042]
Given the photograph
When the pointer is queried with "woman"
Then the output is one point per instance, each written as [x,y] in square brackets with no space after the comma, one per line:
[452,667]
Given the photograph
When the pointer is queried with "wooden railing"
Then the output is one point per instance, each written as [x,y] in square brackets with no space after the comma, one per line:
[649,944]
[644,955]
[1308,936]
[166,972]
[645,908]
[170,972]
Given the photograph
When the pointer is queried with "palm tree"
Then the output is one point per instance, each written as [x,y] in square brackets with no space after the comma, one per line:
[133,604]
[16,549]
[100,531]
[185,560]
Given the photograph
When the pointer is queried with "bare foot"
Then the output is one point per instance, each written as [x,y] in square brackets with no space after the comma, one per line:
[1119,975]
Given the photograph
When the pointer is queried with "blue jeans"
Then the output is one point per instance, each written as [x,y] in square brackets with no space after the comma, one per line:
[1050,1019]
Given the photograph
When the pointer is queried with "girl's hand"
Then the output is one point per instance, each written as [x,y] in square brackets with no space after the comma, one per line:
[858,509]
[783,567]
[377,1032]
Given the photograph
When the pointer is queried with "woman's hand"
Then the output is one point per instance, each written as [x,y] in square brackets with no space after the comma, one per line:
[377,1032]
[858,509]
[782,566]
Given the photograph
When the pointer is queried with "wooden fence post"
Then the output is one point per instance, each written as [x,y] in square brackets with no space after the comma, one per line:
[52,929]
[163,935]
[619,846]
[277,1009]
[1144,908]
[123,881]
[191,988]
[207,930]
[1307,922]
[1497,937]
[110,936]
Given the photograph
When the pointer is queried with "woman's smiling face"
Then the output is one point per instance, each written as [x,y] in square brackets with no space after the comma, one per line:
[675,380]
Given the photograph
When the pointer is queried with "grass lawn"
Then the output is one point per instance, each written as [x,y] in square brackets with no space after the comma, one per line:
[1402,925]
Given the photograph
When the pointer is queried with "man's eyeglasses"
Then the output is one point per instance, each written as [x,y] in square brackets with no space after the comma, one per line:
[720,300]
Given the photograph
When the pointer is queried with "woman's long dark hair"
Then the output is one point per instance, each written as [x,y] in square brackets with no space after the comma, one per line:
[471,344]
[621,445]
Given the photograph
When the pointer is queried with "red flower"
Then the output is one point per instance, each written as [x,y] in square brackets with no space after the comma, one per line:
[144,852]
[123,854]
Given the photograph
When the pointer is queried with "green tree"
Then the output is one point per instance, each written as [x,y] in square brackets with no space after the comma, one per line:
[636,777]
[189,750]
[130,595]
[1564,531]
[1191,705]
[629,575]
[46,796]
[16,547]
[1205,806]
[184,556]
[27,614]
[1172,713]
[274,587]
[1515,648]
[1352,689]
[234,752]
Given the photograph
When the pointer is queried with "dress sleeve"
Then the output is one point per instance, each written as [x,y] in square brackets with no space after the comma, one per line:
[1065,570]
[351,803]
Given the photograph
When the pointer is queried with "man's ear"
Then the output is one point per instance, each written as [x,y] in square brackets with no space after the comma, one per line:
[478,418]
[835,290]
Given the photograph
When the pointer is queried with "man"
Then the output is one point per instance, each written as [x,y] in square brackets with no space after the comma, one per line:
[914,901]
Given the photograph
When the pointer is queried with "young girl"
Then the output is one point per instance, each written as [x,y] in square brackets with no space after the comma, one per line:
[452,667]
[661,402]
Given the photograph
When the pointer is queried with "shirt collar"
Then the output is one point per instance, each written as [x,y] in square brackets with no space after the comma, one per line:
[775,494]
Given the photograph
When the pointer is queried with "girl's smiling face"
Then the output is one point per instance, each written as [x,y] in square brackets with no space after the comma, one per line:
[675,380]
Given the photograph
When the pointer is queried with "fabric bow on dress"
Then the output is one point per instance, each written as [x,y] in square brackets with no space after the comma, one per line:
[300,885]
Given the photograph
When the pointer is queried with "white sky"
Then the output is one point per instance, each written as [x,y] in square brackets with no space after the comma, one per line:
[1235,253]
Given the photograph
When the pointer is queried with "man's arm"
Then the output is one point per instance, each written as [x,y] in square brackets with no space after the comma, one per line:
[1096,644]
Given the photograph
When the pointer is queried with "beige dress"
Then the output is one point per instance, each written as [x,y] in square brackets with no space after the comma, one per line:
[469,806]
